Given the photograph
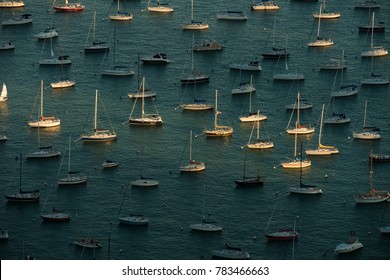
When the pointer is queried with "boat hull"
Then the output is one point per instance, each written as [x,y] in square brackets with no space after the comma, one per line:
[230,254]
[23,197]
[134,220]
[55,217]
[144,183]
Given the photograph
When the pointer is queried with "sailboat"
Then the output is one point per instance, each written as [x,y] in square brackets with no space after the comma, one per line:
[275,52]
[132,219]
[218,130]
[12,4]
[296,162]
[72,178]
[322,150]
[373,195]
[345,90]
[374,51]
[144,181]
[120,16]
[324,14]
[195,25]
[55,60]
[116,70]
[192,165]
[281,234]
[23,196]
[207,224]
[98,134]
[299,129]
[142,91]
[304,188]
[144,119]
[4,93]
[160,7]
[336,118]
[259,143]
[368,132]
[97,46]
[69,7]
[288,75]
[249,181]
[55,216]
[252,116]
[197,105]
[44,121]
[320,42]
[265,5]
[195,76]
[244,87]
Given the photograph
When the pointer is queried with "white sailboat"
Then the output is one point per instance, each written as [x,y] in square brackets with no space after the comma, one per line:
[98,134]
[320,42]
[374,51]
[72,178]
[296,162]
[44,121]
[322,150]
[344,90]
[160,7]
[195,76]
[218,130]
[12,4]
[121,16]
[192,165]
[43,151]
[145,118]
[324,14]
[144,181]
[288,75]
[131,219]
[299,129]
[336,118]
[373,195]
[195,25]
[259,143]
[207,224]
[252,116]
[142,91]
[116,70]
[97,46]
[48,33]
[232,15]
[197,104]
[4,93]
[55,60]
[368,132]
[304,188]
[244,87]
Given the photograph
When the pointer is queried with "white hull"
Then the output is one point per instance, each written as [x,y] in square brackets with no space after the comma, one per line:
[327,15]
[16,21]
[209,227]
[55,217]
[45,123]
[121,17]
[219,132]
[366,135]
[372,197]
[375,80]
[52,33]
[246,88]
[54,61]
[261,145]
[99,137]
[231,254]
[146,94]
[321,43]
[385,229]
[7,46]
[345,91]
[253,118]
[196,106]
[12,4]
[305,190]
[337,120]
[375,52]
[322,152]
[288,76]
[265,6]
[145,183]
[348,247]
[160,9]
[196,26]
[246,66]
[134,220]
[193,167]
[87,243]
[296,164]
[63,84]
[72,180]
[123,71]
[43,154]
[232,16]
[4,93]
[302,106]
[301,130]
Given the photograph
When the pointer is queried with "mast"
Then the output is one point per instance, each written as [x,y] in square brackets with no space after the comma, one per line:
[192,11]
[319,21]
[258,126]
[372,30]
[371,172]
[295,141]
[320,133]
[190,145]
[365,113]
[41,112]
[300,168]
[143,97]
[250,96]
[216,109]
[297,124]
[95,118]
[69,156]
[20,174]
[94,26]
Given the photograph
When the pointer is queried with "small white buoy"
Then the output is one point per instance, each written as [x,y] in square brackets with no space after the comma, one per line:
[369,233]
[326,175]
[349,137]
[254,237]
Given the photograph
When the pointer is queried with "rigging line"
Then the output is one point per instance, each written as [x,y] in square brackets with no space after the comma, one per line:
[13,173]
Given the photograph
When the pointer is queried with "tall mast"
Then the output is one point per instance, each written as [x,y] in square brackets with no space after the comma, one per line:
[41,112]
[372,30]
[143,97]
[319,22]
[365,113]
[216,109]
[319,135]
[298,110]
[69,155]
[190,145]
[250,96]
[20,174]
[95,118]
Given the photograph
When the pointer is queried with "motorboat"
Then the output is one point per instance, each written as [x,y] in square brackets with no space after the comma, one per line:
[7,45]
[159,58]
[350,245]
[250,66]
[208,45]
[88,243]
[282,234]
[110,164]
[4,234]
